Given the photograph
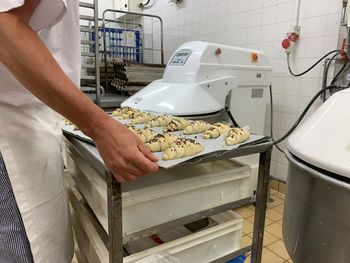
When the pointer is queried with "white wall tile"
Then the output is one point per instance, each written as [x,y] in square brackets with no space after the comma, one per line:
[289,105]
[285,11]
[333,23]
[318,7]
[313,47]
[292,86]
[268,3]
[270,15]
[335,6]
[317,27]
[255,18]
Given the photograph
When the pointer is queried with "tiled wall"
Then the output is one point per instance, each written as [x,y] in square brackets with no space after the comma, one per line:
[260,24]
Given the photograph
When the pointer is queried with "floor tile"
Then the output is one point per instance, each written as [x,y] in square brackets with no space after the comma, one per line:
[270,257]
[279,249]
[274,203]
[275,229]
[273,215]
[244,212]
[268,238]
[246,241]
[251,207]
[274,185]
[278,196]
[247,227]
[280,222]
[267,220]
[279,208]
[282,188]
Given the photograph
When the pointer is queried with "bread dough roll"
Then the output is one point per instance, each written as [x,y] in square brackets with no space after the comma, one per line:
[216,131]
[177,124]
[182,148]
[196,127]
[236,135]
[142,117]
[161,142]
[125,113]
[145,135]
[67,122]
[159,121]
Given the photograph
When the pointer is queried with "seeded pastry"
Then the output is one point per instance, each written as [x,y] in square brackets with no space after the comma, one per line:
[196,127]
[142,117]
[182,148]
[159,121]
[177,124]
[125,113]
[216,131]
[68,122]
[161,142]
[236,135]
[145,135]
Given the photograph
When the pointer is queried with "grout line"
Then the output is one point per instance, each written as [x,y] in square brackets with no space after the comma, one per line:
[276,254]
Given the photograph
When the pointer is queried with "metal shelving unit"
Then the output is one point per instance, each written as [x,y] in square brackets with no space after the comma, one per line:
[87,49]
[114,239]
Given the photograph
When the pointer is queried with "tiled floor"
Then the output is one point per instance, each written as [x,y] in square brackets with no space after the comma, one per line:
[274,250]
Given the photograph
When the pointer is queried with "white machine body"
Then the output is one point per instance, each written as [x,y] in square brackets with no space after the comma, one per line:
[323,140]
[201,77]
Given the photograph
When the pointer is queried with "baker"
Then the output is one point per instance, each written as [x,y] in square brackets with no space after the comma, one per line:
[39,76]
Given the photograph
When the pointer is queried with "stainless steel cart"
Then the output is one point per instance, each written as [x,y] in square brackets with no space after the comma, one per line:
[114,240]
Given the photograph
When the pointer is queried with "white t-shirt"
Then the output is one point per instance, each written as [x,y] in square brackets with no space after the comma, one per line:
[57,24]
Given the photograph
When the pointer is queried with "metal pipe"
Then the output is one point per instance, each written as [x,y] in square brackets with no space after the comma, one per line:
[297,13]
[161,41]
[97,55]
[343,22]
[105,49]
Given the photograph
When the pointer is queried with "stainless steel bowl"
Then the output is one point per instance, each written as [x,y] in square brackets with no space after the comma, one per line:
[316,224]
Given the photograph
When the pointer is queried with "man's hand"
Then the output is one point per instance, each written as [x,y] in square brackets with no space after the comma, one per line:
[123,152]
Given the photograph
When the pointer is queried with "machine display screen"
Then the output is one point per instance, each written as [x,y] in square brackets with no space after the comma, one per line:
[180,57]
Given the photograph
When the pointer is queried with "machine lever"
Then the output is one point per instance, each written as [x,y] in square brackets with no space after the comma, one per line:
[235,124]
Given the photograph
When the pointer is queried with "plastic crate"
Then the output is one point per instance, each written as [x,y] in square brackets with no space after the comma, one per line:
[201,247]
[166,196]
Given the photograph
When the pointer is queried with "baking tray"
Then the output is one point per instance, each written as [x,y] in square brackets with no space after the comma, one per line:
[210,145]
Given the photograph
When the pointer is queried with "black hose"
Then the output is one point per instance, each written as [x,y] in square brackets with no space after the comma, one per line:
[305,111]
[143,5]
[314,65]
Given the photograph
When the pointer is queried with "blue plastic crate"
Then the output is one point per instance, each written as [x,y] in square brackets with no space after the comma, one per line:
[240,259]
[121,43]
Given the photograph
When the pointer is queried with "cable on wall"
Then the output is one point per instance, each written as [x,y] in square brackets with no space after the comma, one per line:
[310,68]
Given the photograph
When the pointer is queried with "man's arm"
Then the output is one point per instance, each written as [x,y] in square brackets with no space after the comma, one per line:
[26,56]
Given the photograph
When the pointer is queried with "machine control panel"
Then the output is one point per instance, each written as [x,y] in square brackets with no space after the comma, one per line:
[180,57]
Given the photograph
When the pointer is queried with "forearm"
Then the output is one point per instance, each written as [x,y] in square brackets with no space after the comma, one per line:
[26,56]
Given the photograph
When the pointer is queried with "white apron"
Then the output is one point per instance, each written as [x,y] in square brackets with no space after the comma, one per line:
[30,142]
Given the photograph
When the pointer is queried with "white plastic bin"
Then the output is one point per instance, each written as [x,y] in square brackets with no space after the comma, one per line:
[186,190]
[204,246]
